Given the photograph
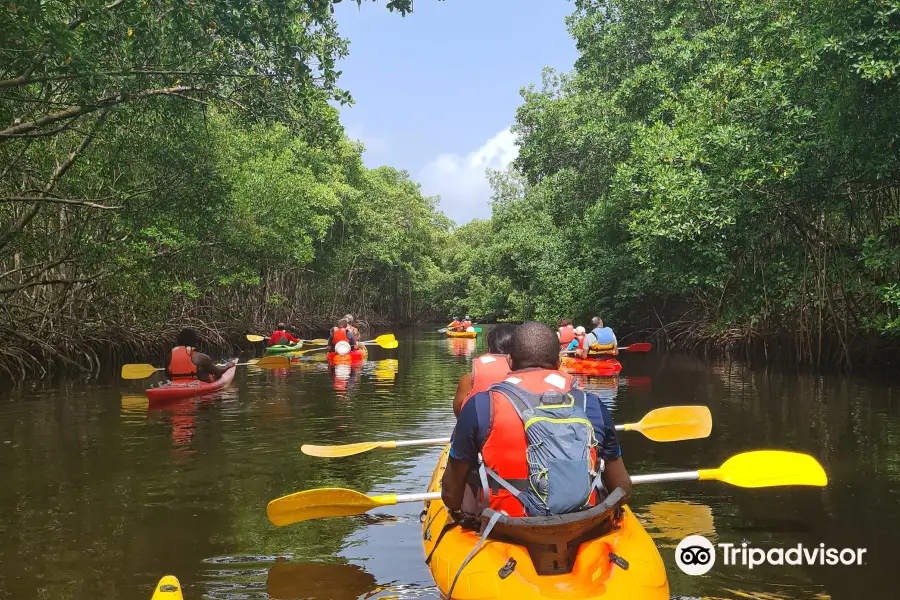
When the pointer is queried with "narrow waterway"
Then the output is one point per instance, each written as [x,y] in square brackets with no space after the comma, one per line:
[100,495]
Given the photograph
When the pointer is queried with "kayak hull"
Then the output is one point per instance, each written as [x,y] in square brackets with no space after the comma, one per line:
[593,576]
[354,356]
[172,391]
[462,334]
[168,588]
[280,349]
[587,366]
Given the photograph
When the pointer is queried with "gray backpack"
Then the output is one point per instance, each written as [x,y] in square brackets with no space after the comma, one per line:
[560,438]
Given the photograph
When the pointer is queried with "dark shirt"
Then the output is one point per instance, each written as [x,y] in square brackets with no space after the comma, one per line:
[473,423]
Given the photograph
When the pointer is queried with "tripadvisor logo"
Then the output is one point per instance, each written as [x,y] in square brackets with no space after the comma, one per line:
[696,555]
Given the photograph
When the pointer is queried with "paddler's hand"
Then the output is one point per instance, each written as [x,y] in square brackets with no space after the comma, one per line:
[230,364]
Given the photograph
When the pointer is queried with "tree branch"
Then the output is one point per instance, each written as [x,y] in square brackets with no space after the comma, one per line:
[54,200]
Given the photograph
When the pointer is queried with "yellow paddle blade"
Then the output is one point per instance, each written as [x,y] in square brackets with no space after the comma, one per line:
[255,338]
[344,450]
[675,423]
[321,503]
[768,468]
[390,345]
[273,362]
[317,341]
[138,371]
[387,338]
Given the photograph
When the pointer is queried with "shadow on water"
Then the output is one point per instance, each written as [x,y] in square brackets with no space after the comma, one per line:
[98,491]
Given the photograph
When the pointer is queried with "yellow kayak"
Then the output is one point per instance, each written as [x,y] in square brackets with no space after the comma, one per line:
[168,588]
[620,563]
[462,334]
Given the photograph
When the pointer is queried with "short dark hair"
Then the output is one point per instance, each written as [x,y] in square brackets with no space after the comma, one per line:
[280,327]
[499,338]
[564,322]
[188,337]
[596,322]
[534,345]
[342,323]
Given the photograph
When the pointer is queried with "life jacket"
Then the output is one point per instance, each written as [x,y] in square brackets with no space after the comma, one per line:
[466,324]
[181,365]
[454,325]
[566,335]
[581,339]
[507,454]
[278,338]
[487,370]
[339,334]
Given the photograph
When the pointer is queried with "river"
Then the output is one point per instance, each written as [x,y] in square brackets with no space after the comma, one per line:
[100,495]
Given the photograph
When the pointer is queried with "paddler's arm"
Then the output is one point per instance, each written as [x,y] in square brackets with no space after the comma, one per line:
[463,389]
[615,475]
[464,448]
[205,363]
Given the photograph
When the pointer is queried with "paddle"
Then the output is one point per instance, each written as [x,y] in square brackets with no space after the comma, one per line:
[763,468]
[260,338]
[140,371]
[387,341]
[639,347]
[667,424]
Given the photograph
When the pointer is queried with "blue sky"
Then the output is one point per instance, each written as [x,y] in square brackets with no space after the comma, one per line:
[437,91]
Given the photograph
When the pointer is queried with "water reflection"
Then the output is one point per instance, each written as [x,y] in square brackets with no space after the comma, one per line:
[344,376]
[385,372]
[290,581]
[668,522]
[462,347]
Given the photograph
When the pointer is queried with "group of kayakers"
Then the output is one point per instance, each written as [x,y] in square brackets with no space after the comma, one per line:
[527,441]
[577,340]
[464,325]
[187,363]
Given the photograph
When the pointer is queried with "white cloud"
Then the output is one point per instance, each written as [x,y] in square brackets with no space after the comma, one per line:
[461,181]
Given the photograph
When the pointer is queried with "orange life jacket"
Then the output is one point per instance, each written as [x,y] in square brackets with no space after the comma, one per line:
[487,370]
[181,365]
[581,339]
[466,324]
[566,335]
[454,325]
[339,335]
[505,447]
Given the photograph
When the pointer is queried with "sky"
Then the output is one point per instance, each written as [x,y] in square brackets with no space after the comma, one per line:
[436,91]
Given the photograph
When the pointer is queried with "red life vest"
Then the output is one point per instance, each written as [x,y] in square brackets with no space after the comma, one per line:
[181,365]
[505,447]
[278,338]
[566,335]
[339,335]
[454,325]
[581,342]
[487,370]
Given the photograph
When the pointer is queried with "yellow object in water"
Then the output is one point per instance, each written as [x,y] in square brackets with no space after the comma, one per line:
[168,588]
[462,334]
[505,570]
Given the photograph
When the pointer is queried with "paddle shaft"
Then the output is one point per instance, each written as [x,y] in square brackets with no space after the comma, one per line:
[666,477]
[424,497]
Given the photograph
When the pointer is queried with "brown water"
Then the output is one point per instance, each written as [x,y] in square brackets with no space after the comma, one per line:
[100,496]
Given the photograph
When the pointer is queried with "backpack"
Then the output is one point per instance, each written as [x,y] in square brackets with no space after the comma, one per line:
[560,440]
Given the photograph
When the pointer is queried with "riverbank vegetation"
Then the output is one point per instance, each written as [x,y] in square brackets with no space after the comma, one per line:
[724,173]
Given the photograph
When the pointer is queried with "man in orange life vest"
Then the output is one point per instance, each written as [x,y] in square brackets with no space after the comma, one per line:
[487,369]
[341,334]
[565,333]
[490,431]
[186,363]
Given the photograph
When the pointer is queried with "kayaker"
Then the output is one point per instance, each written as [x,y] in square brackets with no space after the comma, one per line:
[601,340]
[454,324]
[467,322]
[280,337]
[341,334]
[565,332]
[487,369]
[186,363]
[353,330]
[492,448]
[577,344]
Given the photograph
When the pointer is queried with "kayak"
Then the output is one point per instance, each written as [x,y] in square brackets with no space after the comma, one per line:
[281,349]
[353,356]
[502,569]
[168,588]
[462,334]
[587,366]
[188,389]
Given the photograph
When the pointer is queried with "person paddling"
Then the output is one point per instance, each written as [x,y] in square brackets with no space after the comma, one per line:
[578,344]
[186,363]
[509,455]
[466,324]
[352,329]
[487,369]
[601,340]
[565,332]
[280,337]
[341,334]
[454,325]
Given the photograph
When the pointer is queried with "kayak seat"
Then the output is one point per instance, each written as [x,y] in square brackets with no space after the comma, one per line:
[552,542]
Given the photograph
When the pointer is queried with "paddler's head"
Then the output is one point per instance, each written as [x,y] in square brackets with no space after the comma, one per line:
[579,331]
[596,322]
[499,338]
[280,327]
[188,337]
[342,324]
[534,346]
[564,323]
[349,319]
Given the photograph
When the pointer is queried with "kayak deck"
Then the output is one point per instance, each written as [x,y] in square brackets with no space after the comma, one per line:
[462,334]
[351,357]
[593,575]
[281,349]
[188,389]
[168,588]
[587,366]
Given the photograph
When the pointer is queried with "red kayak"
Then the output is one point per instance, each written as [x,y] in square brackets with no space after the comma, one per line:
[353,356]
[188,389]
[591,366]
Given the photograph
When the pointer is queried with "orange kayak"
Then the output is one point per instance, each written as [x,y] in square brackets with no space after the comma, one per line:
[188,389]
[503,569]
[590,366]
[462,334]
